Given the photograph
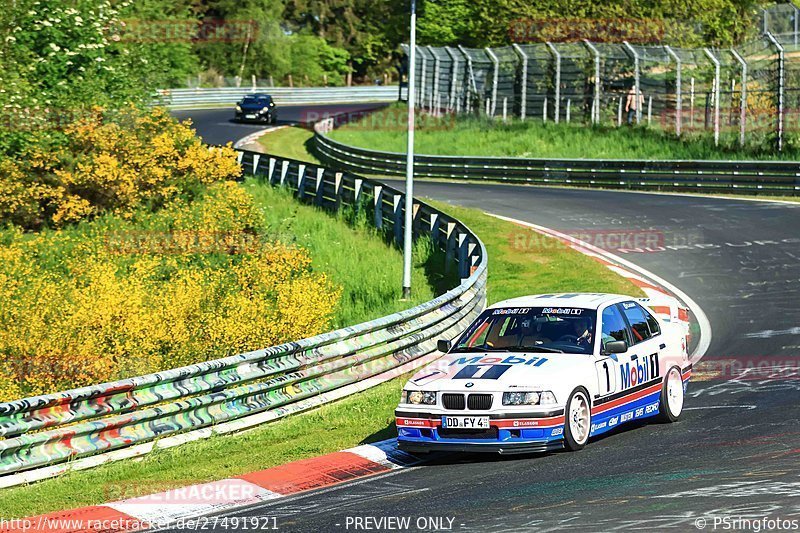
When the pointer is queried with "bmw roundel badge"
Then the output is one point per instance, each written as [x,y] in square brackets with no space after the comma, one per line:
[469,385]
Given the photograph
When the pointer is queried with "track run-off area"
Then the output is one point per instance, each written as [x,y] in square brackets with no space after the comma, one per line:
[735,452]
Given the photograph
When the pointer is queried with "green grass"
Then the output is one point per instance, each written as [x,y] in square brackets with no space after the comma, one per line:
[522,262]
[364,417]
[289,142]
[355,257]
[535,139]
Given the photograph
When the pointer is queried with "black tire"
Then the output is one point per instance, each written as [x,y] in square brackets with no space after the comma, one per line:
[574,442]
[666,411]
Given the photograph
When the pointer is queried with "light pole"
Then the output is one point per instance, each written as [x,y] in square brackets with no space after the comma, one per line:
[409,214]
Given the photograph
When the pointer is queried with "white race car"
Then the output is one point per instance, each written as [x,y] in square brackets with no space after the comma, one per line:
[549,371]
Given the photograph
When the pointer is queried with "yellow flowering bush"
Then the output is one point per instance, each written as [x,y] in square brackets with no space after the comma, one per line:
[109,164]
[113,298]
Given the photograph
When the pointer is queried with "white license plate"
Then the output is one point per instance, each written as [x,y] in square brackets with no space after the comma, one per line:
[466,422]
[249,116]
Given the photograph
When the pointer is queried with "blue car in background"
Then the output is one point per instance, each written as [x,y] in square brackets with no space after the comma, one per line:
[256,108]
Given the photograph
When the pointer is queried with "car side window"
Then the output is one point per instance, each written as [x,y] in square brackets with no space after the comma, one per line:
[637,319]
[652,321]
[614,327]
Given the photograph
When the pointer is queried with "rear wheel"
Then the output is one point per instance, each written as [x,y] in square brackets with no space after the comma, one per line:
[578,420]
[670,405]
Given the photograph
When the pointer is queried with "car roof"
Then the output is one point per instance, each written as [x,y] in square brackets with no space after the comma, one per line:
[584,300]
[257,95]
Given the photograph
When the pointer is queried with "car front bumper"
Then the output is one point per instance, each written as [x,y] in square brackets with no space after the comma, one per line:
[253,117]
[508,434]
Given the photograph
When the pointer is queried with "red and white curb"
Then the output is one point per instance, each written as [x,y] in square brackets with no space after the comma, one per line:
[176,506]
[652,285]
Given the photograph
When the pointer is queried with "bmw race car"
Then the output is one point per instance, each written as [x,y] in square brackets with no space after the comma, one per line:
[256,108]
[549,371]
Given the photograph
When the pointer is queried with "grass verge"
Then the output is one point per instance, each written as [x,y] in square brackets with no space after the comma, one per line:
[365,417]
[535,139]
[291,142]
[352,255]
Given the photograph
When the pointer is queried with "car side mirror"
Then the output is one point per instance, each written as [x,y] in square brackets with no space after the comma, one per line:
[444,345]
[616,347]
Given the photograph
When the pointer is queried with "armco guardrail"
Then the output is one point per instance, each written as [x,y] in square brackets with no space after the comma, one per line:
[264,384]
[762,177]
[282,95]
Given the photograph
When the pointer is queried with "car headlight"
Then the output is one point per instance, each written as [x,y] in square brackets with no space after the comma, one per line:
[528,398]
[417,397]
[238,108]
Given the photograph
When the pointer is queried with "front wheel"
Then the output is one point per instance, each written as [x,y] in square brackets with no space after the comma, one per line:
[578,420]
[670,406]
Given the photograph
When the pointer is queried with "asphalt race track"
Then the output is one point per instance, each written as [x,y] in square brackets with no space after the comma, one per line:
[736,451]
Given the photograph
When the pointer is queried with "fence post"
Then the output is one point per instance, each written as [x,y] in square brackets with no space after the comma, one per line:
[423,68]
[743,102]
[524,83]
[781,80]
[557,56]
[678,92]
[619,112]
[569,101]
[453,79]
[596,99]
[256,157]
[435,71]
[649,109]
[637,92]
[473,86]
[715,95]
[495,78]
[796,14]
[691,103]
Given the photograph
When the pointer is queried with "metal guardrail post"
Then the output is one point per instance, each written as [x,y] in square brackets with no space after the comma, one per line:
[637,91]
[596,99]
[495,77]
[743,102]
[524,82]
[781,81]
[378,199]
[557,57]
[715,94]
[678,91]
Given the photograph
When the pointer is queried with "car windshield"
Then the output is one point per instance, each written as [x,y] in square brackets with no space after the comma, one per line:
[531,329]
[255,101]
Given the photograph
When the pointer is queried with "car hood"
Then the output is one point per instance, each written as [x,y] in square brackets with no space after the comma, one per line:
[501,370]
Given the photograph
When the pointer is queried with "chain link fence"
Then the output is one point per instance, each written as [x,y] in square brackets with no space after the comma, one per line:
[748,96]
